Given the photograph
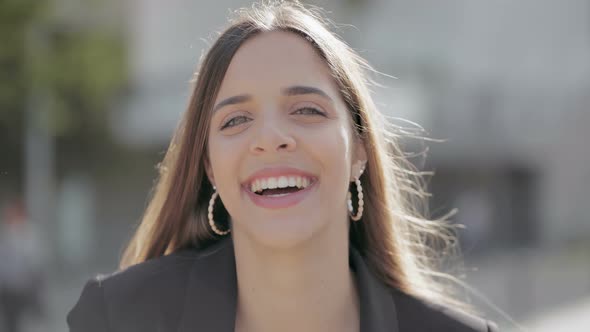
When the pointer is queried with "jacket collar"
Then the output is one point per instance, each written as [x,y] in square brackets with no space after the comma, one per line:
[211,293]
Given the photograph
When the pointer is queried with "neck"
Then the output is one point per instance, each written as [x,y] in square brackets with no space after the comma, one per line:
[308,288]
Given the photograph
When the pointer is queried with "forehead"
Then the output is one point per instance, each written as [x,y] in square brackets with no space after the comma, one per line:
[275,60]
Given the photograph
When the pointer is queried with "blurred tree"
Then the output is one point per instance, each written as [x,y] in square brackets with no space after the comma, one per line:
[79,68]
[15,16]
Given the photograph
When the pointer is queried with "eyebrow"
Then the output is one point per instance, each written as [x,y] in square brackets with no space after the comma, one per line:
[295,90]
[305,90]
[233,100]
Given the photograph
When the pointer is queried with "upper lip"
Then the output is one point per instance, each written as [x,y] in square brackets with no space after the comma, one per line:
[276,172]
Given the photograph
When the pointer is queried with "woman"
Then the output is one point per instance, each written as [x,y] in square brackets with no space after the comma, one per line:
[282,204]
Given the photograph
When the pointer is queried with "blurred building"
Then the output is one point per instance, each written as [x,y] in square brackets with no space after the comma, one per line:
[504,82]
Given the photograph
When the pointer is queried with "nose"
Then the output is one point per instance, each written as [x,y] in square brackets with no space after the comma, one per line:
[272,137]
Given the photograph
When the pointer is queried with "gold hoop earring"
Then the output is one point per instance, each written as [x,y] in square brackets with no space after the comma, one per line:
[361,202]
[210,215]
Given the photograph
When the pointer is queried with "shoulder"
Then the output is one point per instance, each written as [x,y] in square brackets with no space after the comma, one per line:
[131,295]
[159,271]
[415,314]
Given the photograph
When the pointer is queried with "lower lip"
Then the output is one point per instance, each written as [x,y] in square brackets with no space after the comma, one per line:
[280,202]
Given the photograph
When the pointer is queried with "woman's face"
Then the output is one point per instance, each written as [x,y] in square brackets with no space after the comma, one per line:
[279,122]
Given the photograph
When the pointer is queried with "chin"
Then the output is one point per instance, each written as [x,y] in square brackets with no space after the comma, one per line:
[282,233]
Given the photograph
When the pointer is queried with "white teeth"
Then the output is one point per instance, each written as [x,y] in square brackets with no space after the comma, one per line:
[280,182]
[283,182]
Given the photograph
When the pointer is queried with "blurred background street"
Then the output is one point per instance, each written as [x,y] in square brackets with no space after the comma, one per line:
[91,91]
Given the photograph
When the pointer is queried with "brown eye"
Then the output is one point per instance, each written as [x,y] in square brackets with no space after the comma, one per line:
[309,111]
[235,121]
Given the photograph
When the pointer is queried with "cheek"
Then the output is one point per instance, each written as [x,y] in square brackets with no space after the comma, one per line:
[332,148]
[224,154]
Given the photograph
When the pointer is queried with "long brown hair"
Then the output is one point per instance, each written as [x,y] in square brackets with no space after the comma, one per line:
[393,235]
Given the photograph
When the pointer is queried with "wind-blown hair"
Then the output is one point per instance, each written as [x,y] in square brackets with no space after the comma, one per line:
[398,242]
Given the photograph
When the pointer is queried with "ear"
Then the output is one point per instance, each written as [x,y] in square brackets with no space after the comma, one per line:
[359,160]
[209,170]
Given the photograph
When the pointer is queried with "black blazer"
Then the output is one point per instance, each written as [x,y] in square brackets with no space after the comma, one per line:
[196,291]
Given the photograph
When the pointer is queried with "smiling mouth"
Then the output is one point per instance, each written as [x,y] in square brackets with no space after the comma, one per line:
[280,191]
[277,191]
[280,186]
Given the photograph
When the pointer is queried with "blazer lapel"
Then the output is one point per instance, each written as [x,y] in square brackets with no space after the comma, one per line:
[211,294]
[378,312]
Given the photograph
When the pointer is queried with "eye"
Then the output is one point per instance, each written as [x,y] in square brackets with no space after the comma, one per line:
[235,121]
[309,111]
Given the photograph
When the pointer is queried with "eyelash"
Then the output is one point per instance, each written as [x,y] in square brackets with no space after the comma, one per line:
[227,124]
[314,110]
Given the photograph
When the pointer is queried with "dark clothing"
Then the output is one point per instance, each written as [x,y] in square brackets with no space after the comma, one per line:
[192,290]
